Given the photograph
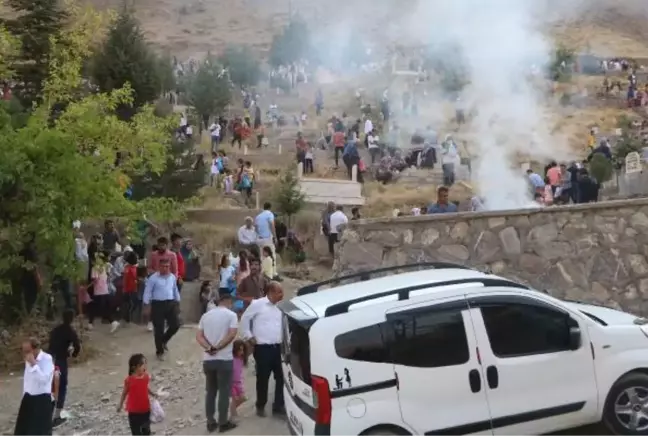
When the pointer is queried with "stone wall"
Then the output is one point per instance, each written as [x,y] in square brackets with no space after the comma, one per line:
[596,252]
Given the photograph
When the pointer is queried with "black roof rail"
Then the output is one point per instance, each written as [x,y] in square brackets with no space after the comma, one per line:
[403,293]
[367,275]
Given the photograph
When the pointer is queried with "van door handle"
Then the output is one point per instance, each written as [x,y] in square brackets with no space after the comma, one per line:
[492,377]
[475,381]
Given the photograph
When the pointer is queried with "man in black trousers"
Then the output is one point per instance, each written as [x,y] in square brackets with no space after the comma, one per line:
[162,303]
[262,328]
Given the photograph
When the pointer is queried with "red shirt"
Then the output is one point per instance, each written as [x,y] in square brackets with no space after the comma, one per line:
[338,139]
[137,400]
[130,279]
[154,261]
[181,265]
[301,144]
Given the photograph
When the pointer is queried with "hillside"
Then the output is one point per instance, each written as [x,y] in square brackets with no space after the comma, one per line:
[190,28]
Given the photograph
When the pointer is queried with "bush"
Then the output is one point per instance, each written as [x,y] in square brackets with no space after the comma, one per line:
[179,180]
[163,108]
[601,168]
[243,68]
[288,198]
[556,69]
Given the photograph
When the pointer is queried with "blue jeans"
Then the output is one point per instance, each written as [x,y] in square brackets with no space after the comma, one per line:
[63,382]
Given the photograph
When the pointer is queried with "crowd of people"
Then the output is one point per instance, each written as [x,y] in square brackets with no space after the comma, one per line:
[129,284]
[563,184]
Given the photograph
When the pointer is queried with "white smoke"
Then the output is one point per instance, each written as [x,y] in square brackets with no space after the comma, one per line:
[499,41]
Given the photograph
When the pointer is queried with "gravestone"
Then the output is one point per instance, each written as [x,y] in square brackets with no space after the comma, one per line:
[342,192]
[633,163]
[633,179]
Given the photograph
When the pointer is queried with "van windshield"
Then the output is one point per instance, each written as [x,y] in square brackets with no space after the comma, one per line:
[296,348]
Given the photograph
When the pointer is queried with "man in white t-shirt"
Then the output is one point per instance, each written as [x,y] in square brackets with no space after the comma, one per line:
[215,130]
[183,124]
[374,148]
[217,330]
[189,131]
[368,127]
[338,218]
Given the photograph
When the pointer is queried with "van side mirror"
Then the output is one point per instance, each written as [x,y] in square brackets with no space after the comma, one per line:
[574,338]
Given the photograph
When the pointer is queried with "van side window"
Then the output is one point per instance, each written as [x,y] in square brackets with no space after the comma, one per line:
[520,329]
[365,344]
[429,339]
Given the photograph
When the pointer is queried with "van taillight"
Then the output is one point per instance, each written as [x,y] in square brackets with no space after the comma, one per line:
[321,399]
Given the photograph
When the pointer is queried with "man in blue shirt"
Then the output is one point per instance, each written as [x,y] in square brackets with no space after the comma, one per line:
[265,228]
[350,156]
[162,302]
[535,179]
[442,205]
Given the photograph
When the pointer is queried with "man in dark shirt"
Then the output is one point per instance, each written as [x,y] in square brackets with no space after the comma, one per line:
[253,286]
[62,337]
[110,236]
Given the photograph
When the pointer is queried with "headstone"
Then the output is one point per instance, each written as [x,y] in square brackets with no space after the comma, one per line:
[245,150]
[618,132]
[633,163]
[279,148]
[525,166]
[300,170]
[354,173]
[256,199]
[595,130]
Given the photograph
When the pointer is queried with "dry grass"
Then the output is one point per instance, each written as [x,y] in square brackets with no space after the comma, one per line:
[214,198]
[36,326]
[601,40]
[383,199]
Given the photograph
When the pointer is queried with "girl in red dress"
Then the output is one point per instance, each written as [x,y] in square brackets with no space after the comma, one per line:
[136,394]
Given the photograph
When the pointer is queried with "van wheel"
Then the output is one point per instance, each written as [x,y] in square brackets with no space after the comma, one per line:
[385,431]
[626,407]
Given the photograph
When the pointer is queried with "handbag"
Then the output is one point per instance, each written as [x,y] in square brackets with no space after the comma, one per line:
[157,413]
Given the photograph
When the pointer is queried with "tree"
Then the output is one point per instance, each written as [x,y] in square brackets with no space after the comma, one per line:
[288,197]
[167,76]
[9,50]
[243,68]
[562,64]
[36,22]
[54,170]
[180,180]
[624,146]
[208,89]
[125,57]
[51,176]
[291,45]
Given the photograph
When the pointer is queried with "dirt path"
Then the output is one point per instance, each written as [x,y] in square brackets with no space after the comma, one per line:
[95,388]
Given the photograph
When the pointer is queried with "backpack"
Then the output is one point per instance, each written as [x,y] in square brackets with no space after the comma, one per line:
[245,181]
[219,165]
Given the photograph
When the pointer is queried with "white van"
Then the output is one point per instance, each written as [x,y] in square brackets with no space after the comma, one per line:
[449,350]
